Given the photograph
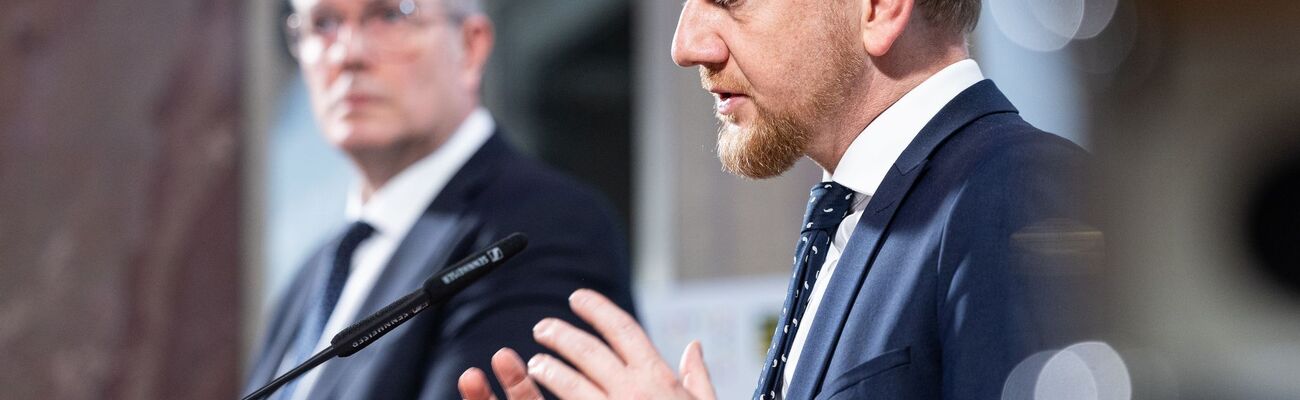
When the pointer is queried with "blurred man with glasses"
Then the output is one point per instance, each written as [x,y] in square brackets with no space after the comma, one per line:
[394,84]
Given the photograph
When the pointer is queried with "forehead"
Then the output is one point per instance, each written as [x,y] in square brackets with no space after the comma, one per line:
[307,5]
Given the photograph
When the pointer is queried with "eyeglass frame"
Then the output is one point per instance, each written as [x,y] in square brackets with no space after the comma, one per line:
[408,9]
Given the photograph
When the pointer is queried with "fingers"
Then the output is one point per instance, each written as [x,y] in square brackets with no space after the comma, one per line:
[562,380]
[473,385]
[695,375]
[583,350]
[617,327]
[513,376]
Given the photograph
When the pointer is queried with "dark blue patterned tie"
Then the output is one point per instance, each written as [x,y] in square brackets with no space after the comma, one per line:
[829,204]
[327,297]
[357,233]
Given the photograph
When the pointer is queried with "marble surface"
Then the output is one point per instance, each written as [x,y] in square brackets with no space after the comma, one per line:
[119,199]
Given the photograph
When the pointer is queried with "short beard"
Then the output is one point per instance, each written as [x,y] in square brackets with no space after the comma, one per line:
[768,149]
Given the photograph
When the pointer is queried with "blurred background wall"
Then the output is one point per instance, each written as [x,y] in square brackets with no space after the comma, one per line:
[120,186]
[161,177]
[1198,135]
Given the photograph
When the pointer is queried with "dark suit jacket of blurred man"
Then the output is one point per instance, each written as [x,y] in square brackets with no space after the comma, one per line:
[573,243]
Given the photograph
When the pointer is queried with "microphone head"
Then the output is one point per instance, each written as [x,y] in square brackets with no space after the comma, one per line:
[512,244]
[453,279]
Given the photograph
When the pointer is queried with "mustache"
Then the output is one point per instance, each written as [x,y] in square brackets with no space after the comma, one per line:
[351,85]
[711,79]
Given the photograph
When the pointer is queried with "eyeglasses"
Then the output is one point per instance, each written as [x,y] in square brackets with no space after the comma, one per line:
[391,28]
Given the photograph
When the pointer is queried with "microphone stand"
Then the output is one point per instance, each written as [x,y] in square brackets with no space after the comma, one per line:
[354,338]
[321,357]
[436,290]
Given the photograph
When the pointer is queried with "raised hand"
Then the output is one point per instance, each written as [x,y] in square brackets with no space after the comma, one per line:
[628,367]
[510,372]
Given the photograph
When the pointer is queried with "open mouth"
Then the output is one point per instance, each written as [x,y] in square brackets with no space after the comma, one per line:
[728,102]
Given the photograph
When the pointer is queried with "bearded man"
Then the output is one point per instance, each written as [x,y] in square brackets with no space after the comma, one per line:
[920,270]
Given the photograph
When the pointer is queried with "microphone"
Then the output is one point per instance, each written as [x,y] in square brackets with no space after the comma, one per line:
[435,290]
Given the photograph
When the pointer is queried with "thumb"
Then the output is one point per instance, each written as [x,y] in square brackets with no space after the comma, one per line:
[695,375]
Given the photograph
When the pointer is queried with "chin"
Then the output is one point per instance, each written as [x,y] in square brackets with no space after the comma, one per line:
[762,149]
[361,138]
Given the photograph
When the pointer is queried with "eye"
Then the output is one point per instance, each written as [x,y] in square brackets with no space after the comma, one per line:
[325,24]
[390,14]
[728,3]
[394,11]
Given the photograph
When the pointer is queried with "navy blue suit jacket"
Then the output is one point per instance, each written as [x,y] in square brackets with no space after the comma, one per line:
[573,243]
[944,286]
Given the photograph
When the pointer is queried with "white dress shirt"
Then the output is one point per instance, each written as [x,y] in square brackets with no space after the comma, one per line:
[392,211]
[865,163]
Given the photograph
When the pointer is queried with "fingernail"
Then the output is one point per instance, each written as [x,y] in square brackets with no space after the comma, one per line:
[535,363]
[579,296]
[542,328]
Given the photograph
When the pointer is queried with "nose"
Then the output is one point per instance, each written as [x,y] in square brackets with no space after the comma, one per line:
[696,41]
[349,47]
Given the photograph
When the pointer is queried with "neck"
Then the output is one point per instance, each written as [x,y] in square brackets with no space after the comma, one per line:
[380,166]
[886,80]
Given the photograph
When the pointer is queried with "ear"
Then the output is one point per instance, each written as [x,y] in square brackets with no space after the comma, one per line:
[883,22]
[477,40]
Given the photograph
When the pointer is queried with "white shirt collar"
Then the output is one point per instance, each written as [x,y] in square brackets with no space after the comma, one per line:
[395,207]
[874,151]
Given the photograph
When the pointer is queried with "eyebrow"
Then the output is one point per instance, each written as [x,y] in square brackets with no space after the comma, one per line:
[372,4]
[326,5]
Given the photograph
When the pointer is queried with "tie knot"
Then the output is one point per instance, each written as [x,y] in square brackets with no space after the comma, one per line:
[828,204]
[357,232]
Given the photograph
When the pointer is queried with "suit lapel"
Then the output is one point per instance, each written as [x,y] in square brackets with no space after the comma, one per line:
[847,280]
[289,317]
[979,100]
[421,253]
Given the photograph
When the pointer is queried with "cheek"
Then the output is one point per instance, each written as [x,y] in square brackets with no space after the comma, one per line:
[792,78]
[317,89]
[422,94]
[774,76]
[437,79]
[419,92]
